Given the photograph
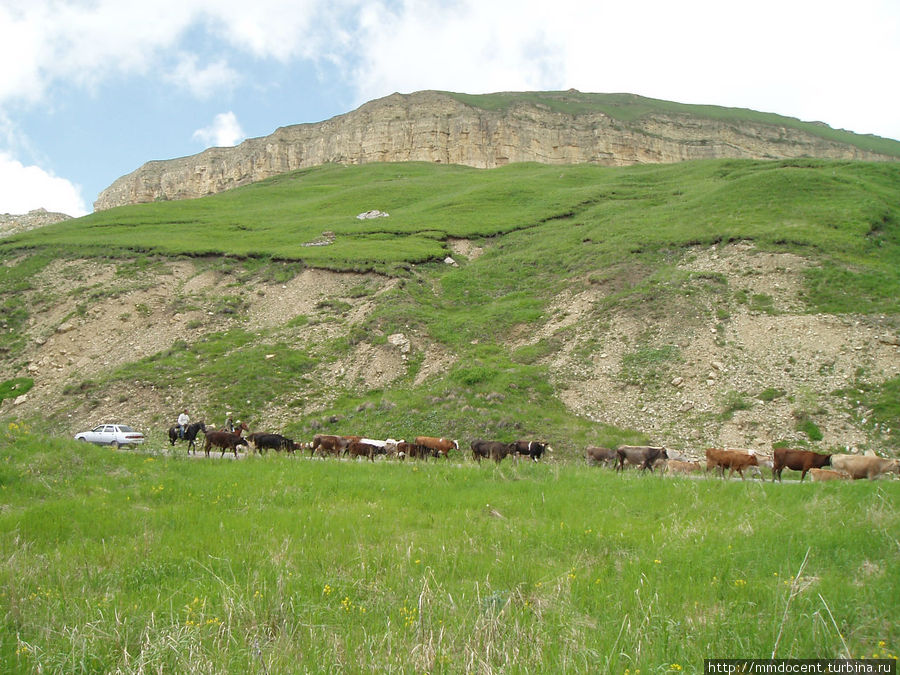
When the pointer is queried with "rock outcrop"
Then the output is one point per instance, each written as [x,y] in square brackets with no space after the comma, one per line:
[13,224]
[432,126]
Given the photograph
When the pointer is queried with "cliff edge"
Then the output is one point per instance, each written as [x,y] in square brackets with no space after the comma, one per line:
[430,126]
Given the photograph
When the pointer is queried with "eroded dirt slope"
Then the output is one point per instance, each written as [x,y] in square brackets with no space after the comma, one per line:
[737,367]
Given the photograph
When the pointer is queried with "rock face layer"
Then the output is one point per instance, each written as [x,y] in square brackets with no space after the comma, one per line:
[432,126]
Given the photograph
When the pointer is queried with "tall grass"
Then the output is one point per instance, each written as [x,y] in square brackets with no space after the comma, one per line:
[131,562]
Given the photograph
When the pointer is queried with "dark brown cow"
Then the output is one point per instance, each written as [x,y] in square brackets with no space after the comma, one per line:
[440,446]
[359,449]
[226,440]
[798,460]
[733,460]
[412,450]
[493,449]
[601,455]
[263,442]
[642,455]
[533,449]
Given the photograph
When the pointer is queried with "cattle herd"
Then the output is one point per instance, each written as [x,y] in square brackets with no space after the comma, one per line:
[844,466]
[647,457]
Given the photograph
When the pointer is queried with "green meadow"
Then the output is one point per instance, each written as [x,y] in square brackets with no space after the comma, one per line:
[144,562]
[133,562]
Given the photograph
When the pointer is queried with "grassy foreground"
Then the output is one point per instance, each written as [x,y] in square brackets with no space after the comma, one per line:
[130,562]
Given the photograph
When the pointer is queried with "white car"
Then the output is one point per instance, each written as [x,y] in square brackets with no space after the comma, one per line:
[111,434]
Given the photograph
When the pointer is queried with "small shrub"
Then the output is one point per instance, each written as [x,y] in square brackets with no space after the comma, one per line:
[649,364]
[229,304]
[770,394]
[762,302]
[80,388]
[15,387]
[733,402]
[474,375]
[336,306]
[811,429]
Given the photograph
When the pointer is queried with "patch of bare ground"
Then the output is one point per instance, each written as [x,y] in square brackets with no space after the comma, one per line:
[748,336]
[721,359]
[464,248]
[178,301]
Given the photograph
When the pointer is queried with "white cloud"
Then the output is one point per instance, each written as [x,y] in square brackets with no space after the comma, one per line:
[224,131]
[816,59]
[26,188]
[819,60]
[203,82]
[43,42]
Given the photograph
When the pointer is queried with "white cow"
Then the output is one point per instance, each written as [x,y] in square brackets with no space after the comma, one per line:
[861,466]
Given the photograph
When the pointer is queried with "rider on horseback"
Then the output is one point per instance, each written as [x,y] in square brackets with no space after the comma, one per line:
[183,421]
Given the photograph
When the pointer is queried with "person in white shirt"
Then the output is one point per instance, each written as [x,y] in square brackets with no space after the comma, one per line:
[183,421]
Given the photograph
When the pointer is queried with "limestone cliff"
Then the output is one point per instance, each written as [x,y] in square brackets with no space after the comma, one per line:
[434,126]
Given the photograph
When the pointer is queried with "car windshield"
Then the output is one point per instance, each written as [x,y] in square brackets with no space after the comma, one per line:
[123,427]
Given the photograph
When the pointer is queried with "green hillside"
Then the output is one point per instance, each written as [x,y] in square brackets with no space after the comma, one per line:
[544,230]
[568,216]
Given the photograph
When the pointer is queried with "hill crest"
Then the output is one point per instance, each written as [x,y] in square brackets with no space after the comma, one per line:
[492,130]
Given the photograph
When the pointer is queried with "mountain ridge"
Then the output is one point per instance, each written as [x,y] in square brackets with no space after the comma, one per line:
[492,130]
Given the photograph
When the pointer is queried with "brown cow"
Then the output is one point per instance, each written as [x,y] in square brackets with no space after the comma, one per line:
[412,450]
[359,449]
[441,447]
[601,455]
[734,460]
[797,460]
[226,440]
[328,443]
[818,475]
[861,466]
[642,455]
[496,450]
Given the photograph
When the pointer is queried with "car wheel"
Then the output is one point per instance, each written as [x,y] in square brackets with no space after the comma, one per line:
[114,445]
[82,440]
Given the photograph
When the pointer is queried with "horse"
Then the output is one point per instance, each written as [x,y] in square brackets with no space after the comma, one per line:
[190,434]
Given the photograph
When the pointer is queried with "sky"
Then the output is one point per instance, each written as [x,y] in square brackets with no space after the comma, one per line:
[92,89]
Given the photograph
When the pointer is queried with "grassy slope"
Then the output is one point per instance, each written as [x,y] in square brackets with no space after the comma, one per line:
[127,561]
[846,212]
[548,228]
